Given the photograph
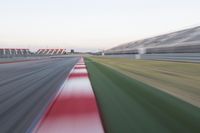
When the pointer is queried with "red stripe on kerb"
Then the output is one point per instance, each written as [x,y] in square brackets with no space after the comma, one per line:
[78,75]
[80,67]
[67,106]
[75,109]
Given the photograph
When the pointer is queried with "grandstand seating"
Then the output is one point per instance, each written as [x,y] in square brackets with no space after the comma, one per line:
[11,52]
[184,41]
[51,52]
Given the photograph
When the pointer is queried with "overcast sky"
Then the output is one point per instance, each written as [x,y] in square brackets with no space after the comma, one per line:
[91,24]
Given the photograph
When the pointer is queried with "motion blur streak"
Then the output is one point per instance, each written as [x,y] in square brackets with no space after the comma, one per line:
[75,110]
[27,87]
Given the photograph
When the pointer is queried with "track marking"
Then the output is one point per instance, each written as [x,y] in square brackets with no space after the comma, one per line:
[75,109]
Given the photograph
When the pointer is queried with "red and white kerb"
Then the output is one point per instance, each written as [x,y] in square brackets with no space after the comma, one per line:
[75,109]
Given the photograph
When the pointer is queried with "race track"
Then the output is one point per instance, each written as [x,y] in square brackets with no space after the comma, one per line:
[26,88]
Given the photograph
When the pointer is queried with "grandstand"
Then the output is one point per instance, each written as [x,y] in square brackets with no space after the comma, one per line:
[48,52]
[184,41]
[11,52]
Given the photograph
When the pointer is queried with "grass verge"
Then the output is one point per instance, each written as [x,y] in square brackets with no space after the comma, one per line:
[176,78]
[128,105]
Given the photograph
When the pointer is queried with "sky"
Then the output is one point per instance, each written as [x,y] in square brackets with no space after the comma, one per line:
[91,25]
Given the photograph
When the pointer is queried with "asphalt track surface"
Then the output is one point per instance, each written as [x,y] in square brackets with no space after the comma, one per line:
[26,89]
[75,109]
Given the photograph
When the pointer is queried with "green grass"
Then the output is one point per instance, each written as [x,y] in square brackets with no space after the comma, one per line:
[177,78]
[129,106]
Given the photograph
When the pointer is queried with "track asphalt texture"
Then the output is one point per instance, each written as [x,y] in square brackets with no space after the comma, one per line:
[75,109]
[129,106]
[26,88]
